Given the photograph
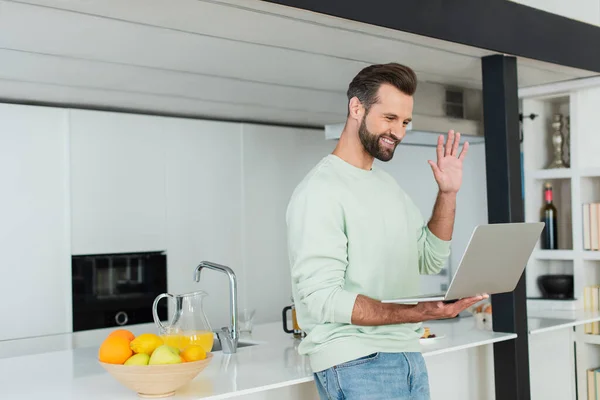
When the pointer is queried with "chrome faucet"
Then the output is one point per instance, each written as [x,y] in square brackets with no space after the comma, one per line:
[228,336]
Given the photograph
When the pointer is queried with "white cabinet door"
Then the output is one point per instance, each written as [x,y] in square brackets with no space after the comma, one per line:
[204,203]
[118,182]
[276,159]
[34,232]
[552,365]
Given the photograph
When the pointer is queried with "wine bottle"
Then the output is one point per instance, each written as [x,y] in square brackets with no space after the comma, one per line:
[549,240]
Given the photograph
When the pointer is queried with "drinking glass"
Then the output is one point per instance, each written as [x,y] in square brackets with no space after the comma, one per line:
[246,320]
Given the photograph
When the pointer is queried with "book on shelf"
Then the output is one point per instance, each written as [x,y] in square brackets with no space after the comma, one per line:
[593,383]
[591,302]
[591,226]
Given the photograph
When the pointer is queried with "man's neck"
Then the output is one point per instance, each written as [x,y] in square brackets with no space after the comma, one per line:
[350,149]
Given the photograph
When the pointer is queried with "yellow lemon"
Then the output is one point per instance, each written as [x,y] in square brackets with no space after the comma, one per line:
[146,343]
[193,353]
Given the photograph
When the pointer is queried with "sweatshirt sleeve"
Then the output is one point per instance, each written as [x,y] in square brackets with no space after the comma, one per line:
[317,246]
[433,251]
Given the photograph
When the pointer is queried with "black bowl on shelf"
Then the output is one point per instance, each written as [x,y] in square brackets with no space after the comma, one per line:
[556,286]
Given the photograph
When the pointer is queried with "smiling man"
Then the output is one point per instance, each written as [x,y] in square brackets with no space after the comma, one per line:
[356,238]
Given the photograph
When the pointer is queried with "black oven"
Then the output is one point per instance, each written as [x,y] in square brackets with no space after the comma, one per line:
[112,290]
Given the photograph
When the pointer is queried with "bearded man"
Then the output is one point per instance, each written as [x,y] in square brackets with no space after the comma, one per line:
[356,238]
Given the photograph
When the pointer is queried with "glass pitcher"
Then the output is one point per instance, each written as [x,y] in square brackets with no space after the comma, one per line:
[188,324]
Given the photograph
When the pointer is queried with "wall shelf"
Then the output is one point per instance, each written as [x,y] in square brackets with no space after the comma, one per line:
[591,339]
[562,173]
[555,255]
[590,173]
[591,255]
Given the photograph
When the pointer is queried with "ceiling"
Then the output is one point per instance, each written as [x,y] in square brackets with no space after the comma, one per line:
[230,59]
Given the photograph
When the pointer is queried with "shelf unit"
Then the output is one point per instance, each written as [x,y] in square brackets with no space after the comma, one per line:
[551,174]
[590,172]
[572,187]
[554,255]
[591,255]
[591,339]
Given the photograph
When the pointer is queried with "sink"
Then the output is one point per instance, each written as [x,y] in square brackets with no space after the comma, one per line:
[217,345]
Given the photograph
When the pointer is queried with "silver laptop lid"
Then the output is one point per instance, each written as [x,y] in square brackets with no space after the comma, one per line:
[495,259]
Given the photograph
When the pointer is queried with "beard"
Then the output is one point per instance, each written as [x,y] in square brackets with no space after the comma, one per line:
[373,143]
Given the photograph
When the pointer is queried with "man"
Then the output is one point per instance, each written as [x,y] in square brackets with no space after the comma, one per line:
[356,238]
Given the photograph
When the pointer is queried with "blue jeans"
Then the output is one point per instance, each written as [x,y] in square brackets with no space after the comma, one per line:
[378,376]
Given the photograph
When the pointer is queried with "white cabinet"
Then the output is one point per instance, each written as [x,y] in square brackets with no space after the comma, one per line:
[551,365]
[34,232]
[117,182]
[275,160]
[204,209]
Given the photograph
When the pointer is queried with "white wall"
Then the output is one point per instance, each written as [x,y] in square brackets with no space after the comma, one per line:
[410,168]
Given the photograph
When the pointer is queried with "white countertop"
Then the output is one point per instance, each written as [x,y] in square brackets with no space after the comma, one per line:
[273,363]
[539,321]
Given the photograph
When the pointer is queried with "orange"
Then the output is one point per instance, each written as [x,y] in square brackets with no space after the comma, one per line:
[114,350]
[123,333]
[193,353]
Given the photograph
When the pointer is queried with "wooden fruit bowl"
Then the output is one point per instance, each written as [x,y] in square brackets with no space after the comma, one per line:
[156,381]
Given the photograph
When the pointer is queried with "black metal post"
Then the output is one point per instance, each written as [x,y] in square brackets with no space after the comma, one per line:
[505,204]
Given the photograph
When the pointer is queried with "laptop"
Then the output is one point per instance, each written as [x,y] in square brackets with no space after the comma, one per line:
[492,263]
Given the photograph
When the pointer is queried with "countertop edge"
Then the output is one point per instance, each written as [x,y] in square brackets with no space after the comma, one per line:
[503,338]
[576,317]
[245,392]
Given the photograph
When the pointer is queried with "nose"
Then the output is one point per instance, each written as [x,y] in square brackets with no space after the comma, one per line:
[399,134]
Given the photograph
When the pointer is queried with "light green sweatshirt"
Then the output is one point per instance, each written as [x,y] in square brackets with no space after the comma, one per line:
[353,231]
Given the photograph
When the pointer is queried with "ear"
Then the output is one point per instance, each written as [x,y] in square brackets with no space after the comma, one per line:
[356,109]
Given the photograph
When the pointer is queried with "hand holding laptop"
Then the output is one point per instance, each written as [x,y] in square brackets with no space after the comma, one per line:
[439,309]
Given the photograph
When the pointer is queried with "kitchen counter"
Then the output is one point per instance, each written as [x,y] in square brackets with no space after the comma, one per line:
[272,363]
[540,321]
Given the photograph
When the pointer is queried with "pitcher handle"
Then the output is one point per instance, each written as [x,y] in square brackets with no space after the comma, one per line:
[157,320]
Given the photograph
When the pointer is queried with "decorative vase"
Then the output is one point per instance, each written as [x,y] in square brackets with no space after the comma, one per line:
[567,143]
[557,143]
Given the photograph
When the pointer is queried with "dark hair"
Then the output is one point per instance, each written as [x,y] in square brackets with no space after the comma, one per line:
[367,82]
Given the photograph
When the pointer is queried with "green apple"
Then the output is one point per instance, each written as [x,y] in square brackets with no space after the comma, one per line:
[165,354]
[138,359]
